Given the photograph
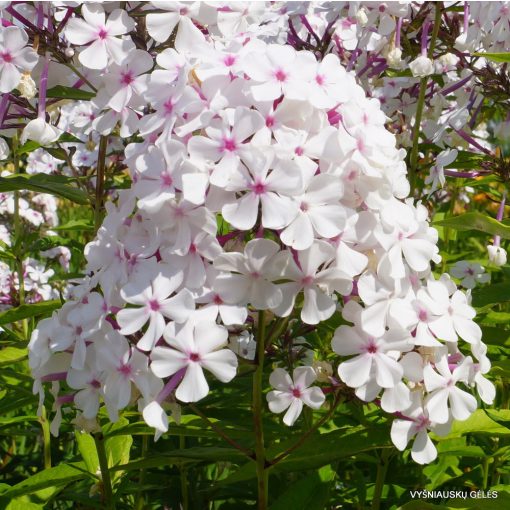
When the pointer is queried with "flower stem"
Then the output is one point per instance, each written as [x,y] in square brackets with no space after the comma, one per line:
[140,500]
[105,472]
[413,160]
[382,469]
[18,238]
[100,178]
[260,454]
[45,425]
[183,476]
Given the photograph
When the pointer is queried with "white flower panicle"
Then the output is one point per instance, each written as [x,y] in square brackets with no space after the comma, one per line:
[263,179]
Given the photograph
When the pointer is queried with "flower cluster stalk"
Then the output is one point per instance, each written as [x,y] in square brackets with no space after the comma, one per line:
[260,454]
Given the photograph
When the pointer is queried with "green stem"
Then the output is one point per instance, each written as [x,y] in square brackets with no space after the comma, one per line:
[257,405]
[413,160]
[382,469]
[18,238]
[140,500]
[278,328]
[45,426]
[495,474]
[184,482]
[485,471]
[100,178]
[105,472]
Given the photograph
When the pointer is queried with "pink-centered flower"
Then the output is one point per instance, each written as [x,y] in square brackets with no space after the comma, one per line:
[194,346]
[15,56]
[293,393]
[153,301]
[102,36]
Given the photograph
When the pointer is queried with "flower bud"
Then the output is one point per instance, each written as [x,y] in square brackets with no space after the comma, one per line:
[27,86]
[69,52]
[361,17]
[4,149]
[324,370]
[497,255]
[394,58]
[40,131]
[421,66]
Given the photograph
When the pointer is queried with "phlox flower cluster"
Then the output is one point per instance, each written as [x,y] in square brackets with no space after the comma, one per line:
[263,178]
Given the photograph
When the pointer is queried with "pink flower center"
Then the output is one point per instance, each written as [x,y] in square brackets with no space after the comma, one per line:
[304,206]
[307,280]
[296,392]
[102,34]
[154,305]
[193,356]
[423,316]
[169,107]
[166,179]
[6,56]
[259,188]
[319,79]
[229,144]
[192,248]
[229,60]
[371,348]
[217,300]
[422,422]
[269,121]
[125,370]
[95,384]
[280,75]
[127,78]
[299,151]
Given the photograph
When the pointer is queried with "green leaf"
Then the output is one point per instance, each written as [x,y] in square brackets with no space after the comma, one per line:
[88,451]
[61,92]
[78,225]
[57,153]
[198,453]
[495,293]
[62,474]
[26,311]
[476,221]
[308,493]
[17,419]
[28,147]
[9,355]
[496,318]
[322,449]
[479,422]
[467,160]
[69,138]
[118,448]
[57,185]
[495,57]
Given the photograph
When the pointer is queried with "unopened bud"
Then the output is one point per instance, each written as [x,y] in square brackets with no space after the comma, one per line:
[497,255]
[394,58]
[27,86]
[69,52]
[324,370]
[361,17]
[421,66]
